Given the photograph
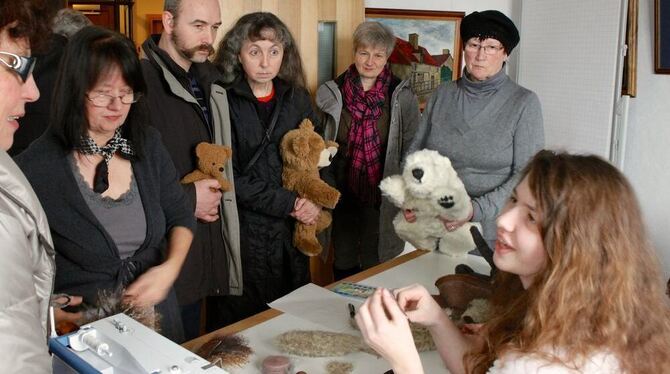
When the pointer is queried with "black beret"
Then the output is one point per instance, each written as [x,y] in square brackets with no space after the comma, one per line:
[490,24]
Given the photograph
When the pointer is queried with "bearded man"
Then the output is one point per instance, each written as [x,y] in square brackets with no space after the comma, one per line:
[188,105]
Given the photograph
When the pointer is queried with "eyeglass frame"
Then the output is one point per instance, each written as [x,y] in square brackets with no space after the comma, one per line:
[493,48]
[136,98]
[22,65]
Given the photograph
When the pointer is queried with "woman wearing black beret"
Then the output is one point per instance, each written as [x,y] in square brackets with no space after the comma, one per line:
[488,125]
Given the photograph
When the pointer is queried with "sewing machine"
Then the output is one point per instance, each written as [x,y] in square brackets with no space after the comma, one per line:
[120,345]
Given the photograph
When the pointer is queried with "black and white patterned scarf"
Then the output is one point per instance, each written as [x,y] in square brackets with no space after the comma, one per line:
[87,146]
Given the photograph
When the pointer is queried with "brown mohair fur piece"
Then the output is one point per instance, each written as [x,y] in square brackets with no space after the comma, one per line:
[301,151]
[212,159]
[111,302]
[315,343]
[339,367]
[226,351]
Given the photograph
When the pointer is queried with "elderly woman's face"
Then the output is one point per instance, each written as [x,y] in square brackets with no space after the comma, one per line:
[370,61]
[484,58]
[105,110]
[14,93]
[261,60]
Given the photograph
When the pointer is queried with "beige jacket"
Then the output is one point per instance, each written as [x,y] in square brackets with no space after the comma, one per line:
[27,271]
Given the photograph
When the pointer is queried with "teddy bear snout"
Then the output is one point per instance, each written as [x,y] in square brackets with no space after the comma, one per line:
[417,173]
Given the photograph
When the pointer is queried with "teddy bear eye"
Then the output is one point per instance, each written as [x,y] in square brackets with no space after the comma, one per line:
[213,163]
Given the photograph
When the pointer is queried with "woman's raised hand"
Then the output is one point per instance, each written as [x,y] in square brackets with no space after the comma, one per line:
[418,305]
[385,329]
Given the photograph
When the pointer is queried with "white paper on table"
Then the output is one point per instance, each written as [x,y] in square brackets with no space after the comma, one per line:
[318,305]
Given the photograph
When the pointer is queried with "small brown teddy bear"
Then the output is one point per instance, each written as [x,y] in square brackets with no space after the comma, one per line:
[304,152]
[211,161]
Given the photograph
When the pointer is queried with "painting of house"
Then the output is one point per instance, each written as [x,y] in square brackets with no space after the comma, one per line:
[427,48]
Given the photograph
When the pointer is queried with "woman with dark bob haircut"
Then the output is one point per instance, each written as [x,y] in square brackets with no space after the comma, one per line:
[267,98]
[108,185]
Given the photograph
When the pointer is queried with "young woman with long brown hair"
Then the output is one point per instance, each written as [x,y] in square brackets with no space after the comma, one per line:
[588,295]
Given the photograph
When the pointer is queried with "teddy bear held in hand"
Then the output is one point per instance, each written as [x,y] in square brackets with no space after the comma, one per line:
[212,159]
[304,152]
[430,187]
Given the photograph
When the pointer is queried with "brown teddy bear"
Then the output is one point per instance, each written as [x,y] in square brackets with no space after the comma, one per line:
[211,161]
[304,152]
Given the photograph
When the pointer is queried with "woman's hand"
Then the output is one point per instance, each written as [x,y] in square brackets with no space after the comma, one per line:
[450,225]
[151,287]
[409,215]
[386,330]
[306,211]
[60,315]
[419,306]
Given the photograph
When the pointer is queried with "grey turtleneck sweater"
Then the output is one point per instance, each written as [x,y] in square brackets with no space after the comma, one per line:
[489,130]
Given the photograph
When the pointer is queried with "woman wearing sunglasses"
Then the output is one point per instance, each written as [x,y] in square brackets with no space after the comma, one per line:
[107,184]
[26,250]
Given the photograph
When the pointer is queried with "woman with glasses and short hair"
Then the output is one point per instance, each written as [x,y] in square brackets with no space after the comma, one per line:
[373,115]
[488,125]
[107,184]
[26,249]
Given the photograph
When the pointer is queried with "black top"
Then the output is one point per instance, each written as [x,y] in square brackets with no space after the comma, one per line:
[86,257]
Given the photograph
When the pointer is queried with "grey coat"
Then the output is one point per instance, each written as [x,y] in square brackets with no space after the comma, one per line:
[404,121]
[490,149]
[26,273]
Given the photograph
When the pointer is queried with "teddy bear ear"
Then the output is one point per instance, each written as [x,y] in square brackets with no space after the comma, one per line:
[300,146]
[201,147]
[306,124]
[227,151]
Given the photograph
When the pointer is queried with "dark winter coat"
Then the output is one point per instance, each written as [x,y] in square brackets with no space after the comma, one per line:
[264,206]
[213,265]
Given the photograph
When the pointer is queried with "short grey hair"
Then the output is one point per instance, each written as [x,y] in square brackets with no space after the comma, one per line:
[68,21]
[374,34]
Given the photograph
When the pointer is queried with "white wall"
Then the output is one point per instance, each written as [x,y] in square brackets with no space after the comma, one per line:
[647,152]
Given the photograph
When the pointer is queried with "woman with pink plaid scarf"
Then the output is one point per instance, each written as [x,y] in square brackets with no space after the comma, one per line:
[373,115]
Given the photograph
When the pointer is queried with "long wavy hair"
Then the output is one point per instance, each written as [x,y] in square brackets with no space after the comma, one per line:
[601,289]
[253,27]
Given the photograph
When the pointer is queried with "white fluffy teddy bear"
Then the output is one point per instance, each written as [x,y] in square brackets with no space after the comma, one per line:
[430,187]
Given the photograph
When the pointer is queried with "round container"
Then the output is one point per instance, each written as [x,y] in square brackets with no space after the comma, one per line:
[276,365]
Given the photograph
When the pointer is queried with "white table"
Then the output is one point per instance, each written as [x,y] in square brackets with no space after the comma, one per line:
[417,267]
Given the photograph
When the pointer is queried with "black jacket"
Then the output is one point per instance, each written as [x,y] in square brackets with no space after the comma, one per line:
[264,206]
[183,125]
[87,258]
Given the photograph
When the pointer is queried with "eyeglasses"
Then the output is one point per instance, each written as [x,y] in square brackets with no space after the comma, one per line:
[21,65]
[103,100]
[488,49]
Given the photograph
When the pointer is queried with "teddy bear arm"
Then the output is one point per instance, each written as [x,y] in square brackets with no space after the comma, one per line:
[318,192]
[225,185]
[393,188]
[194,176]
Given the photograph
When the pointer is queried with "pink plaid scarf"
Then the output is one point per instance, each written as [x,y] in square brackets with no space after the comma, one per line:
[365,146]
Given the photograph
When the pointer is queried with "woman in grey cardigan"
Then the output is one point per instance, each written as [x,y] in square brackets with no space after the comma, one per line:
[373,116]
[486,124]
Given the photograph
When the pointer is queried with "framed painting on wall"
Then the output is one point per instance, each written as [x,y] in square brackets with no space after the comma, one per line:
[428,46]
[662,36]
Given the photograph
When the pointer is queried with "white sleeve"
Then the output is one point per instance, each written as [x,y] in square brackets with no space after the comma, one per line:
[600,363]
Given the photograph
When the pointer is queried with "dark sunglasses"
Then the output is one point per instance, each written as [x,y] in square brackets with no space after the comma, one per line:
[23,66]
